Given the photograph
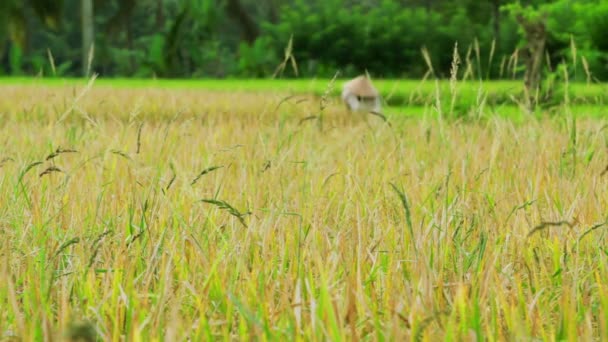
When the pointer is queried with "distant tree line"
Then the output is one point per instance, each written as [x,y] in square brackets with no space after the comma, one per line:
[248,38]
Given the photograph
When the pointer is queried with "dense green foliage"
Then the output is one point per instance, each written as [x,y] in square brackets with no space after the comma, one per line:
[202,38]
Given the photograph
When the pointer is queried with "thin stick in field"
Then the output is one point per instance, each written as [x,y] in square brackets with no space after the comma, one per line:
[172,178]
[59,151]
[50,170]
[545,225]
[5,160]
[283,100]
[28,168]
[605,171]
[121,153]
[590,230]
[204,172]
[310,117]
[141,126]
[231,210]
[82,93]
[66,245]
[381,116]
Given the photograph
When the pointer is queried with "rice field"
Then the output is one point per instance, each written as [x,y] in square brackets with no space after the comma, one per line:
[183,213]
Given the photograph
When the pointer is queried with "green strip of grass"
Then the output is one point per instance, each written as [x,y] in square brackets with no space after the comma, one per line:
[395,91]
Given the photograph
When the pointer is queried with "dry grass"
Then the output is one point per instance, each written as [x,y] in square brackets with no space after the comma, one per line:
[235,221]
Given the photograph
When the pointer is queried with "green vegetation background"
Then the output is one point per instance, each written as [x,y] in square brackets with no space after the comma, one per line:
[247,38]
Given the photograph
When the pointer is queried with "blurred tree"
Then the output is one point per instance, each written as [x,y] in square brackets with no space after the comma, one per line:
[496,17]
[14,25]
[219,38]
[160,14]
[239,13]
[88,32]
[13,21]
[121,22]
[535,31]
[49,11]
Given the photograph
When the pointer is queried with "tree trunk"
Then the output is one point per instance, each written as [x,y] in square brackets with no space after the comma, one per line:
[130,45]
[273,11]
[88,35]
[250,30]
[496,15]
[160,15]
[536,36]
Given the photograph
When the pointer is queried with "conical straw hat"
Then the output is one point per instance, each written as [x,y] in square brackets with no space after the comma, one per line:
[361,86]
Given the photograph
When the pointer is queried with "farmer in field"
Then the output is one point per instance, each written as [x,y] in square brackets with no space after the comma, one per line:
[360,95]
